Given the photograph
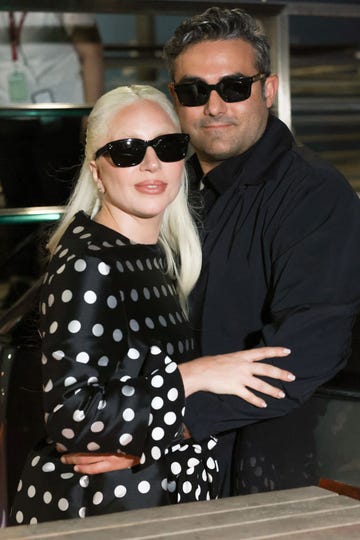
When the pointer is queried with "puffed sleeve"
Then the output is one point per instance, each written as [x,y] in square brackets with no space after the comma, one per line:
[102,389]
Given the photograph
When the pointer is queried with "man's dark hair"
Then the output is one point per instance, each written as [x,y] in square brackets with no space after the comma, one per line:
[217,23]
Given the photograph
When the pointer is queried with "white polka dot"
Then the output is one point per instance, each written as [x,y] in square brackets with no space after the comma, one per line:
[98,330]
[155,350]
[67,475]
[120,491]
[134,295]
[78,229]
[68,433]
[74,326]
[63,504]
[162,320]
[117,335]
[61,269]
[47,497]
[92,446]
[19,517]
[90,297]
[103,361]
[149,323]
[175,467]
[157,433]
[104,269]
[170,418]
[43,359]
[173,394]
[101,405]
[33,521]
[193,462]
[134,325]
[210,463]
[98,498]
[31,491]
[19,486]
[51,300]
[187,486]
[125,439]
[66,296]
[151,418]
[78,415]
[92,380]
[53,327]
[58,407]
[170,368]
[84,481]
[157,381]
[134,354]
[82,512]
[128,415]
[146,293]
[128,390]
[130,266]
[211,444]
[119,266]
[69,381]
[171,486]
[157,403]
[197,493]
[96,427]
[111,302]
[144,486]
[58,355]
[155,453]
[35,461]
[80,265]
[83,357]
[49,386]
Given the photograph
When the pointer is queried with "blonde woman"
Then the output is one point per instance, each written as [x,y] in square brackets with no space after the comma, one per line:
[119,358]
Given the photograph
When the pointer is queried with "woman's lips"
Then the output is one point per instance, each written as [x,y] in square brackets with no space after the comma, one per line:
[152,187]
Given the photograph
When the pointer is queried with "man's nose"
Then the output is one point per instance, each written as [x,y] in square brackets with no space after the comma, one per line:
[215,104]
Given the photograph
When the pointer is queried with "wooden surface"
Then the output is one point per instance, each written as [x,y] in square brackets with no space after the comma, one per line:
[312,513]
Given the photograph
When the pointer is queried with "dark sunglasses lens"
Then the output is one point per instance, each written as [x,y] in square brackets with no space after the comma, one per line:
[171,147]
[234,90]
[192,94]
[127,153]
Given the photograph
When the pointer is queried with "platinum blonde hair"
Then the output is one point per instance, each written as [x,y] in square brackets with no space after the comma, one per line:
[178,235]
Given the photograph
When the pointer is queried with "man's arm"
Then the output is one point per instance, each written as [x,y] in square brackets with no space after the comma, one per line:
[314,290]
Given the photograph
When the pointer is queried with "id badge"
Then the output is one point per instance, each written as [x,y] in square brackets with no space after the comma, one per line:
[18,88]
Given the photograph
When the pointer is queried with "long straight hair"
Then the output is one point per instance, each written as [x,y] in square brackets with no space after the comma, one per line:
[178,234]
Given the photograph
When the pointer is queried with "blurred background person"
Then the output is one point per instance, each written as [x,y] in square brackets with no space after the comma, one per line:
[44,58]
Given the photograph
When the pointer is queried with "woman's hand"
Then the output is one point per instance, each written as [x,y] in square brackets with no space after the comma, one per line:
[237,374]
[91,463]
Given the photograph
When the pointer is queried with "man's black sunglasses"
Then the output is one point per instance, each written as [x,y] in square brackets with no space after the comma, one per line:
[130,152]
[231,89]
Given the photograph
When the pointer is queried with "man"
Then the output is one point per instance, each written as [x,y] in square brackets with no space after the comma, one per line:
[280,246]
[280,250]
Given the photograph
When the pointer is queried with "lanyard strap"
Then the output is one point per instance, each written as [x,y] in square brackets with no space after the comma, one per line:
[15,32]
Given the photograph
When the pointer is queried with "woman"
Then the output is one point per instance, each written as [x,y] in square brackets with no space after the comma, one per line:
[114,325]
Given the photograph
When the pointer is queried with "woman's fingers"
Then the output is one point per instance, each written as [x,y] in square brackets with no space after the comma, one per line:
[254,355]
[92,463]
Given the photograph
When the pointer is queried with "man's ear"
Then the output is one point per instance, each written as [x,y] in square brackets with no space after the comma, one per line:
[271,86]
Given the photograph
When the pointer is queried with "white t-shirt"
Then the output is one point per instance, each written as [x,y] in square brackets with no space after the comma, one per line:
[47,59]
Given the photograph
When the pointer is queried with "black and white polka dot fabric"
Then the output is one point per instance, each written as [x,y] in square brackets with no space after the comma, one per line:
[113,333]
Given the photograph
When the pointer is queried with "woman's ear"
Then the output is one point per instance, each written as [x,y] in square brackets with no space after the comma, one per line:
[95,174]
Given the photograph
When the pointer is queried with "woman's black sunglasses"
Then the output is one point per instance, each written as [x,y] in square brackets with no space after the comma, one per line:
[231,89]
[130,152]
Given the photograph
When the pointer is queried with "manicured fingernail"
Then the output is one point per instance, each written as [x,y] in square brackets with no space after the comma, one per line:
[264,404]
[286,351]
[76,468]
[281,395]
[291,377]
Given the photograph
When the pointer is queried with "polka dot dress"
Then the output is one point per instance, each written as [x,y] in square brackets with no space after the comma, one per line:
[113,333]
